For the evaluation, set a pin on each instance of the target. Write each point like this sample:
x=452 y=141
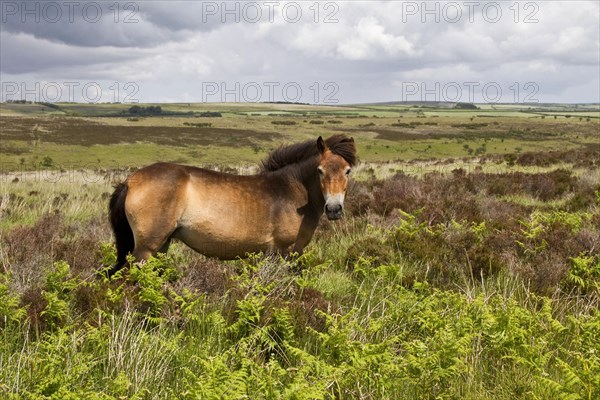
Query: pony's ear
x=321 y=145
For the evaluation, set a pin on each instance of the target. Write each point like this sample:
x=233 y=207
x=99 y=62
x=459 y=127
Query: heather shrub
x=447 y=285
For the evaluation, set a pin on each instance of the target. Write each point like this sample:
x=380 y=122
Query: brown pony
x=227 y=216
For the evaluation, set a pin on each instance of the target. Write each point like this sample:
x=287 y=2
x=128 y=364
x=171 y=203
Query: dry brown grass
x=88 y=132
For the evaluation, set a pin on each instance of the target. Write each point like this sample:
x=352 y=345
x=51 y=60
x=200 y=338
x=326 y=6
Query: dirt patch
x=83 y=132
x=429 y=132
x=588 y=157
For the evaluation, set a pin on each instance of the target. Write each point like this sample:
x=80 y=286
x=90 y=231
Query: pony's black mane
x=339 y=144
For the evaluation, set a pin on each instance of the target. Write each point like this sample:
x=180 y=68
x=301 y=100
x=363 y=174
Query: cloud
x=25 y=53
x=101 y=23
x=368 y=48
x=370 y=40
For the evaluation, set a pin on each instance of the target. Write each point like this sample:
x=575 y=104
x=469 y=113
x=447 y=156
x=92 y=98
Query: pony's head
x=337 y=158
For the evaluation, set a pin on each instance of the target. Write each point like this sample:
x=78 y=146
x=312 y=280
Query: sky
x=325 y=52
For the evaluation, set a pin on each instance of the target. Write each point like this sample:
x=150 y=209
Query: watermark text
x=455 y=92
x=85 y=92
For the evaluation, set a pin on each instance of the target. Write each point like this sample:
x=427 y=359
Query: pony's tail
x=120 y=226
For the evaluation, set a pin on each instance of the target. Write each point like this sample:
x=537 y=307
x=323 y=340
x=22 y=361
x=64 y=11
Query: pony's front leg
x=296 y=251
x=293 y=255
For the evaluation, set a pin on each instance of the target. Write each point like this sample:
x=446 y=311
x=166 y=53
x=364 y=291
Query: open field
x=467 y=265
x=245 y=134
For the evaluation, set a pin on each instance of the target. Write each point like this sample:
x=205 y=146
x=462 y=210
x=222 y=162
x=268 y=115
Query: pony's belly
x=217 y=224
x=226 y=247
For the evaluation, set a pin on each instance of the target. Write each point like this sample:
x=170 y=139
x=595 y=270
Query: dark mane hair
x=339 y=144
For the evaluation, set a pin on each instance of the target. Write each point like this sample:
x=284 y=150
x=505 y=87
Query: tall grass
x=434 y=287
x=80 y=195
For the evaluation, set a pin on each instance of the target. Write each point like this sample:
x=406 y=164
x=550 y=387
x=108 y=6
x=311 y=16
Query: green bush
x=432 y=288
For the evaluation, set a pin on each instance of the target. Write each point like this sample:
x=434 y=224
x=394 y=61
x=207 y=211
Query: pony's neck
x=310 y=180
x=306 y=175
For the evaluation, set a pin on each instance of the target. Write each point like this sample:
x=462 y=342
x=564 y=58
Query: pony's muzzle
x=334 y=211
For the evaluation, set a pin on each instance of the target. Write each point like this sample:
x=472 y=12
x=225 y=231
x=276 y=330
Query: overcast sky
x=317 y=52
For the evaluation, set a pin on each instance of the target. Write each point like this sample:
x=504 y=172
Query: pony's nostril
x=336 y=208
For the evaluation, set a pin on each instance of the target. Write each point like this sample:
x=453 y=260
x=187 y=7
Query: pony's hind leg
x=153 y=222
x=145 y=247
x=165 y=247
x=153 y=207
x=151 y=239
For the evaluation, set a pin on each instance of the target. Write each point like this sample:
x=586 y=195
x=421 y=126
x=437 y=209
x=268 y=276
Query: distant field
x=35 y=135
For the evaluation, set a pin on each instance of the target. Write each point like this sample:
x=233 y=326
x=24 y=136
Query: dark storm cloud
x=129 y=23
x=97 y=23
x=22 y=53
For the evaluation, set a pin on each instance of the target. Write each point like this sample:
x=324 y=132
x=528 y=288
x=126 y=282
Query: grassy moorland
x=467 y=265
x=100 y=136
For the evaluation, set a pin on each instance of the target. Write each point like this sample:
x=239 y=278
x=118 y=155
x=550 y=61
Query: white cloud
x=369 y=40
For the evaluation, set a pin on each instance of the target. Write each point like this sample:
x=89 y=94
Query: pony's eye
x=348 y=171
x=321 y=171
